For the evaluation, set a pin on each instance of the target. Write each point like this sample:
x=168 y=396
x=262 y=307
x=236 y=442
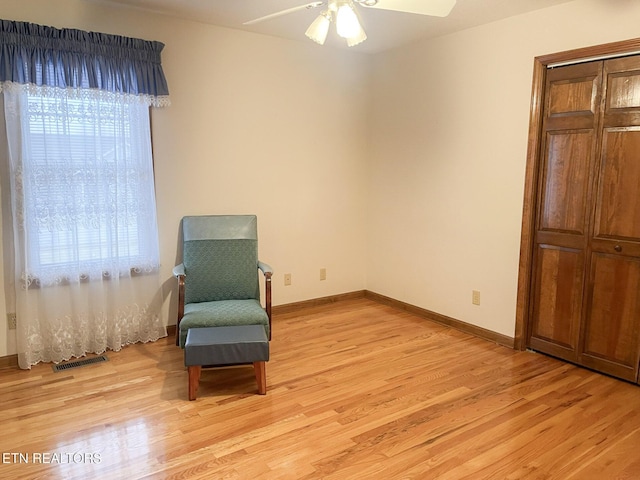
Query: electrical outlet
x=323 y=274
x=287 y=279
x=12 y=321
x=475 y=297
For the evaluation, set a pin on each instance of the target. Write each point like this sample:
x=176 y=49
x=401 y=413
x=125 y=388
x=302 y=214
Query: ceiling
x=385 y=29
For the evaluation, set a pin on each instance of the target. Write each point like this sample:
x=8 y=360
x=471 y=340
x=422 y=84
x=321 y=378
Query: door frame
x=527 y=236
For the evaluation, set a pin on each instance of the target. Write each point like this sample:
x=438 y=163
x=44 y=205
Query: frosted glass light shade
x=347 y=23
x=360 y=37
x=319 y=29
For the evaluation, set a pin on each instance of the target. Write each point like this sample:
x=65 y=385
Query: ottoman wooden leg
x=194 y=380
x=261 y=376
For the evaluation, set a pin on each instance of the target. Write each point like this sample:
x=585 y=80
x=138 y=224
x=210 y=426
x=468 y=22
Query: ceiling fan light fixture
x=345 y=14
x=319 y=29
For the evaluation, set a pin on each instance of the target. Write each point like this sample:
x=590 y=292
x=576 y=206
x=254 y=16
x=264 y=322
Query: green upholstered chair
x=218 y=279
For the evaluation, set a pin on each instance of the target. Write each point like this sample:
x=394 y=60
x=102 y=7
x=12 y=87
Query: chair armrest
x=264 y=268
x=178 y=270
x=179 y=273
x=268 y=272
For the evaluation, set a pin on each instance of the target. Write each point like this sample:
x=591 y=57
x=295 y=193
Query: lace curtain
x=79 y=163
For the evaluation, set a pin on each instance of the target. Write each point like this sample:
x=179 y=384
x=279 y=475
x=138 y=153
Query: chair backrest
x=220 y=257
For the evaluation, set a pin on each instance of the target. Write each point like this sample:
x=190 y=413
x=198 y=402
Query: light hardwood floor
x=356 y=390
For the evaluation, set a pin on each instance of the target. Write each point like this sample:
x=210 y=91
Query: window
x=87 y=181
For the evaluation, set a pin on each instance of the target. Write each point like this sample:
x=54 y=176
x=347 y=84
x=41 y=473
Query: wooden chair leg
x=194 y=380
x=260 y=369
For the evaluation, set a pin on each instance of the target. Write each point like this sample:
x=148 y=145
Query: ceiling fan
x=345 y=15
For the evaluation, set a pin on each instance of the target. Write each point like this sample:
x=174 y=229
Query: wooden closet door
x=611 y=331
x=565 y=184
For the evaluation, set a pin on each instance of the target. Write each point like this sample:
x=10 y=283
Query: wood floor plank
x=355 y=390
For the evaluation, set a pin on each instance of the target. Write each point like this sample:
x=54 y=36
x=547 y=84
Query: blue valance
x=47 y=56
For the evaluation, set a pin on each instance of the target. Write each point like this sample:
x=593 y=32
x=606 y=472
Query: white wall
x=257 y=125
x=448 y=153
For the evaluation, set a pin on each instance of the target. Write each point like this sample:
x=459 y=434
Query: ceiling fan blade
x=435 y=8
x=308 y=6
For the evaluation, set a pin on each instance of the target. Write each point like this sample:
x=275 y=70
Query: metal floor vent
x=79 y=363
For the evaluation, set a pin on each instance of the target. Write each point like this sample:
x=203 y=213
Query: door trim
x=525 y=267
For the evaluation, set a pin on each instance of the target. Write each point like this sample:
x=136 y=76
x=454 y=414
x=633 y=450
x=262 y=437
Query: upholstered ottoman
x=217 y=346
